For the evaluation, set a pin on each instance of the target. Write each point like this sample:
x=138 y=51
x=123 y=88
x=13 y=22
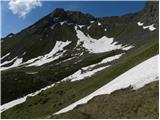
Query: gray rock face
x=149 y=15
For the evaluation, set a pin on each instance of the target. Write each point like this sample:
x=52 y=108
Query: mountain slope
x=66 y=93
x=78 y=57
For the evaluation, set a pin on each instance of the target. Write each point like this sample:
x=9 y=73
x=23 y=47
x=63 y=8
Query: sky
x=19 y=14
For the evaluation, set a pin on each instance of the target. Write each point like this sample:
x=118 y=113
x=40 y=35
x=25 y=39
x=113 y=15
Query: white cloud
x=23 y=7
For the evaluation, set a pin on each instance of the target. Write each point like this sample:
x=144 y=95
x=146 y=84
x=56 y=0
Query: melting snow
x=127 y=47
x=87 y=71
x=59 y=46
x=81 y=75
x=5 y=56
x=61 y=23
x=109 y=59
x=15 y=64
x=106 y=60
x=81 y=26
x=40 y=60
x=21 y=100
x=140 y=24
x=89 y=27
x=52 y=27
x=103 y=44
x=99 y=24
x=150 y=27
x=91 y=21
x=137 y=77
x=32 y=60
x=31 y=73
x=7 y=62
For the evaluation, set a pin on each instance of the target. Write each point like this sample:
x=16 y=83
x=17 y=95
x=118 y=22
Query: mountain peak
x=59 y=14
x=59 y=10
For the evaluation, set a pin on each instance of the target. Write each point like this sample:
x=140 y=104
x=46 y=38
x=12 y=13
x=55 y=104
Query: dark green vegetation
x=21 y=83
x=17 y=82
x=121 y=104
x=66 y=93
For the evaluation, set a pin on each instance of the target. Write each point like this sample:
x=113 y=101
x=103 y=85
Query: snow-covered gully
x=136 y=77
x=103 y=44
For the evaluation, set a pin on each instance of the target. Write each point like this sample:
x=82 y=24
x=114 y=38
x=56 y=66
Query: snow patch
x=109 y=59
x=140 y=24
x=31 y=73
x=59 y=46
x=91 y=22
x=150 y=27
x=7 y=62
x=89 y=27
x=62 y=23
x=103 y=44
x=106 y=60
x=99 y=24
x=137 y=77
x=5 y=56
x=89 y=71
x=52 y=27
x=80 y=74
x=81 y=26
x=21 y=100
x=32 y=60
x=55 y=53
x=15 y=64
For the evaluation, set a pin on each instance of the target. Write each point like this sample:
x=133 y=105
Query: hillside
x=68 y=55
x=121 y=104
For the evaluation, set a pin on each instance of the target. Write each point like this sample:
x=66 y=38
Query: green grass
x=60 y=96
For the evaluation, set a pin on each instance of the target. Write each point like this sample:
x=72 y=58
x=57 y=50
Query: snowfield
x=150 y=27
x=136 y=77
x=104 y=44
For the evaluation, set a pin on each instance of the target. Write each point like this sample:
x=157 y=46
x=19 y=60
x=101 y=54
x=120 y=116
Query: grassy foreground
x=121 y=104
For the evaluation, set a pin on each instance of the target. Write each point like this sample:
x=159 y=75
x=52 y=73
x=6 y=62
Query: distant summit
x=59 y=14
